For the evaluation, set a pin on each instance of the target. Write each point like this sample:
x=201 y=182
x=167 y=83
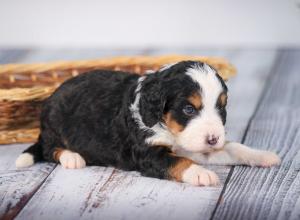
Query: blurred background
x=145 y=24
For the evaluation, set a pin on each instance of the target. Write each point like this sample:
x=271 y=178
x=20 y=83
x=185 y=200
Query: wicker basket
x=23 y=87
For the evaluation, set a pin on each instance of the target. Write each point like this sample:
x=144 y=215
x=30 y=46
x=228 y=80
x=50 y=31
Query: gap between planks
x=275 y=194
x=263 y=94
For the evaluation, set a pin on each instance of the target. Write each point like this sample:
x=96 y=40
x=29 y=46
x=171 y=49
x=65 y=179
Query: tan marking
x=176 y=171
x=160 y=144
x=222 y=99
x=57 y=153
x=172 y=124
x=196 y=100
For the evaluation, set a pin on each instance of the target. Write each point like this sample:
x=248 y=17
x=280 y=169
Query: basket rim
x=226 y=70
x=150 y=60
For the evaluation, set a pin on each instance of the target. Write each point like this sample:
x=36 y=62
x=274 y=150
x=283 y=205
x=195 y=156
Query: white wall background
x=139 y=23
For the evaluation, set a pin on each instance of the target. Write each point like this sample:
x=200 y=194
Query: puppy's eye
x=189 y=110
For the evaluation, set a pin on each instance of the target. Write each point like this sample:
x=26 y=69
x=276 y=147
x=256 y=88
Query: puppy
x=162 y=124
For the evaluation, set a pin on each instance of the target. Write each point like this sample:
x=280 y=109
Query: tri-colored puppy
x=162 y=124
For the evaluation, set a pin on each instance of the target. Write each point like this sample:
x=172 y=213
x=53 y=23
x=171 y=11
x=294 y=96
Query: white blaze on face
x=208 y=122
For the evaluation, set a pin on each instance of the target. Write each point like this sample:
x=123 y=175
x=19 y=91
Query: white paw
x=252 y=157
x=199 y=176
x=267 y=159
x=71 y=160
x=24 y=160
x=261 y=158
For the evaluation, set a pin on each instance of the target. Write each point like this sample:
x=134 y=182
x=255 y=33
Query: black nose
x=212 y=140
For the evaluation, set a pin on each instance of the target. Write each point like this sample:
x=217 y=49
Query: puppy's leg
x=68 y=159
x=241 y=154
x=237 y=154
x=160 y=162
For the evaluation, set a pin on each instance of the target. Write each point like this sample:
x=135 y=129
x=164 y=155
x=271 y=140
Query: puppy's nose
x=212 y=140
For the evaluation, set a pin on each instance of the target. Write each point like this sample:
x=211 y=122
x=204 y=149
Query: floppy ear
x=152 y=101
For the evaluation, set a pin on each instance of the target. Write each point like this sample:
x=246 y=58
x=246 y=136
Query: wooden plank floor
x=271 y=193
x=263 y=111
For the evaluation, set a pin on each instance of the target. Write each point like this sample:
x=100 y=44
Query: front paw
x=261 y=158
x=268 y=159
x=199 y=176
x=251 y=157
x=71 y=160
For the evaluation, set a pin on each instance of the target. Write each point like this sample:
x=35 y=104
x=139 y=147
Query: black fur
x=90 y=114
x=221 y=108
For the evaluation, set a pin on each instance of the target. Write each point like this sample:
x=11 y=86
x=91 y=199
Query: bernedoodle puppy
x=163 y=124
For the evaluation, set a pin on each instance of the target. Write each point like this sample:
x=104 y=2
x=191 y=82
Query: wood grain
x=256 y=193
x=96 y=192
x=18 y=185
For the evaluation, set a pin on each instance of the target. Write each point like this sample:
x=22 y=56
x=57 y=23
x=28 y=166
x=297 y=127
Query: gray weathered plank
x=255 y=193
x=18 y=185
x=127 y=195
x=10 y=55
x=98 y=192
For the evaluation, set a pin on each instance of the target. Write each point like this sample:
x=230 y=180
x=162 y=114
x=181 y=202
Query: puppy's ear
x=152 y=101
